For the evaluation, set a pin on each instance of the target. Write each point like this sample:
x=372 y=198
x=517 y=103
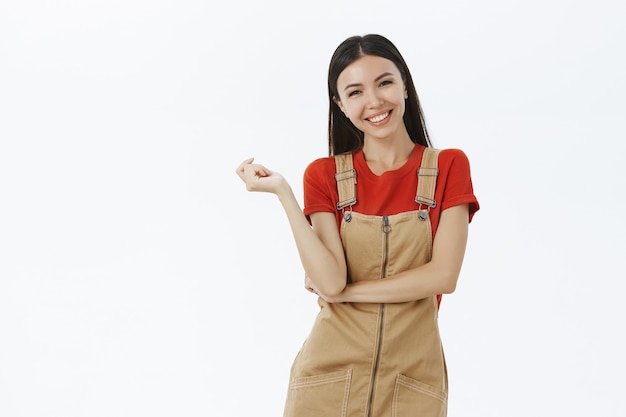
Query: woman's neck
x=387 y=156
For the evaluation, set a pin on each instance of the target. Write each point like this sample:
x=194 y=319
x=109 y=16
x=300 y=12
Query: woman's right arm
x=318 y=243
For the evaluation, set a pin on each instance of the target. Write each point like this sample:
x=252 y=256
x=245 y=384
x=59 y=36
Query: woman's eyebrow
x=376 y=79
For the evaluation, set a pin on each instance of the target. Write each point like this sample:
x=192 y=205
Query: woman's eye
x=386 y=82
x=354 y=93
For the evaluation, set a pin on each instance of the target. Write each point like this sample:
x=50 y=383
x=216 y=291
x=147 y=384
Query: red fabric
x=394 y=191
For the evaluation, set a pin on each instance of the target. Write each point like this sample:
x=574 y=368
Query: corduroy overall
x=375 y=360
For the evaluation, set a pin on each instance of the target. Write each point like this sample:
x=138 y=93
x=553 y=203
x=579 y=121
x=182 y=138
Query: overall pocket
x=412 y=398
x=319 y=395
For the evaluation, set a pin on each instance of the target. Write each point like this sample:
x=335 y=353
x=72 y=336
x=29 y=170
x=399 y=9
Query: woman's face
x=371 y=95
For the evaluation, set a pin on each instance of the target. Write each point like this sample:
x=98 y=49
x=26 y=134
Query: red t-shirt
x=394 y=191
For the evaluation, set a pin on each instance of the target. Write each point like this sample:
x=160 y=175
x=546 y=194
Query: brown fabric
x=367 y=359
x=346 y=180
x=427 y=181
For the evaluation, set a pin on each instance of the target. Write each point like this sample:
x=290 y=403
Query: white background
x=139 y=278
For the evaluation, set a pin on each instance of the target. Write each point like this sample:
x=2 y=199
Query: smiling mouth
x=379 y=118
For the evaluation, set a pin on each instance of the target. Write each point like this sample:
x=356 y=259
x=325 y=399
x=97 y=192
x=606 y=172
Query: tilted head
x=343 y=136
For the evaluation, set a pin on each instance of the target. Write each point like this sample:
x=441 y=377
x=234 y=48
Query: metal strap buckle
x=347 y=216
x=425 y=201
x=428 y=172
x=341 y=176
x=423 y=213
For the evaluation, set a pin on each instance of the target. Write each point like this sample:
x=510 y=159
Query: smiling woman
x=380 y=262
x=372 y=95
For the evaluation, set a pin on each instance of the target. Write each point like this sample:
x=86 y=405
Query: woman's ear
x=338 y=103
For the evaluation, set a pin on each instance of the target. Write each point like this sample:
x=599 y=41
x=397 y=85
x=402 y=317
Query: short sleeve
x=320 y=190
x=458 y=188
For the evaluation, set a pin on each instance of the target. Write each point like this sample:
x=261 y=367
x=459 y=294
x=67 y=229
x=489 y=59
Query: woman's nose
x=374 y=99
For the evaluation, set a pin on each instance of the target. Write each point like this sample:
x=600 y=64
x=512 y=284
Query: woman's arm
x=439 y=276
x=319 y=247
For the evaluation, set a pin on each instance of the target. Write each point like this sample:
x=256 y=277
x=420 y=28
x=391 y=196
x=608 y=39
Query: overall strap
x=427 y=179
x=346 y=180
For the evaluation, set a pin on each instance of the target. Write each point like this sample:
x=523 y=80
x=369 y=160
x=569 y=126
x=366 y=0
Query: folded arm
x=438 y=276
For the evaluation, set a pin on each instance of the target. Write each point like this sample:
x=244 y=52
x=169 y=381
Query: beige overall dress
x=375 y=360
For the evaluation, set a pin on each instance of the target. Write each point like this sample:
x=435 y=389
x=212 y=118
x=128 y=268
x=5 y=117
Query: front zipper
x=386 y=228
x=386 y=231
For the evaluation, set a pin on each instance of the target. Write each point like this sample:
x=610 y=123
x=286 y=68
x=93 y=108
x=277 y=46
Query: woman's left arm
x=439 y=276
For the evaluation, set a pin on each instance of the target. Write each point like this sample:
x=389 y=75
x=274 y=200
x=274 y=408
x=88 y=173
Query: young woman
x=381 y=237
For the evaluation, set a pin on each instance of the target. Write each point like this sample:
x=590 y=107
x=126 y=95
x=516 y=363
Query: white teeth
x=379 y=118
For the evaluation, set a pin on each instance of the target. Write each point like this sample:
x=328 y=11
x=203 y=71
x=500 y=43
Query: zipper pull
x=386 y=225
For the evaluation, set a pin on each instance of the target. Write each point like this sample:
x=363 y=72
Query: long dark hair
x=343 y=136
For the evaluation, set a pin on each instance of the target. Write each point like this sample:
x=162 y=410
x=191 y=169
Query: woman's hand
x=258 y=178
x=310 y=287
x=318 y=242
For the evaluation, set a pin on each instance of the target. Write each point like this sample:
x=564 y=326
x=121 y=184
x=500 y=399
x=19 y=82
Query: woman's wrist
x=284 y=192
